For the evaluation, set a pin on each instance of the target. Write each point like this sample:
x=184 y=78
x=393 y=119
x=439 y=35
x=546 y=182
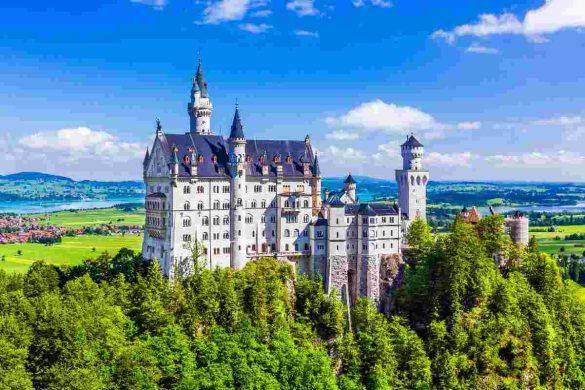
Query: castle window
x=365 y=233
x=286 y=233
x=277 y=159
x=286 y=204
x=200 y=158
x=216 y=189
x=296 y=232
x=254 y=204
x=239 y=233
x=425 y=180
x=226 y=189
x=186 y=190
x=383 y=246
x=226 y=220
x=391 y=219
x=249 y=219
x=418 y=180
x=300 y=188
x=226 y=205
x=253 y=247
x=186 y=206
x=205 y=236
x=296 y=247
x=216 y=236
x=412 y=180
x=372 y=220
x=200 y=189
x=273 y=246
x=205 y=221
x=263 y=204
x=257 y=188
x=263 y=218
x=286 y=188
x=272 y=188
x=306 y=203
x=264 y=247
x=306 y=247
x=200 y=206
x=383 y=233
x=383 y=219
x=239 y=202
x=272 y=218
x=337 y=234
x=216 y=221
x=187 y=222
x=214 y=159
x=306 y=218
x=320 y=234
x=288 y=159
x=186 y=237
x=226 y=235
x=216 y=205
x=248 y=159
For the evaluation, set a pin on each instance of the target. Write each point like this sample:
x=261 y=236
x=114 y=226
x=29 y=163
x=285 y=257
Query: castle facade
x=242 y=199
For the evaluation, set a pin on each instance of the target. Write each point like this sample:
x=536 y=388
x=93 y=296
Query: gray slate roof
x=214 y=145
x=412 y=142
x=370 y=209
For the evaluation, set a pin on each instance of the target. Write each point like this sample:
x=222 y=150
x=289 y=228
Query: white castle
x=244 y=199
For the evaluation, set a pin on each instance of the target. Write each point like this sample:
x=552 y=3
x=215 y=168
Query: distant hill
x=35 y=176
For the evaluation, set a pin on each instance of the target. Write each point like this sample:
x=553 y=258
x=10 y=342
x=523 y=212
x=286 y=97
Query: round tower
x=200 y=108
x=412 y=152
x=412 y=180
x=237 y=165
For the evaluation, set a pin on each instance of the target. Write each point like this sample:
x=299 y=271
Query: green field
x=96 y=217
x=547 y=243
x=578 y=290
x=69 y=252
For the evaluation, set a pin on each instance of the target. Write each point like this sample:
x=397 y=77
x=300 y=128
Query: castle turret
x=350 y=186
x=146 y=161
x=200 y=108
x=412 y=180
x=237 y=165
x=316 y=188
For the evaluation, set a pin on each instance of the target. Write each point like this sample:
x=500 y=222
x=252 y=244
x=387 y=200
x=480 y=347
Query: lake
x=39 y=206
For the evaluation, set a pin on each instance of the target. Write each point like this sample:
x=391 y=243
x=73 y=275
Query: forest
x=473 y=312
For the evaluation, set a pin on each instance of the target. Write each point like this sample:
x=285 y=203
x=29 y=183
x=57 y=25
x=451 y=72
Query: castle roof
x=237 y=130
x=349 y=180
x=412 y=142
x=213 y=145
x=371 y=209
x=201 y=84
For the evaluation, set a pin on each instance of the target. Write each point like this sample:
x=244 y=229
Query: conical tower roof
x=237 y=130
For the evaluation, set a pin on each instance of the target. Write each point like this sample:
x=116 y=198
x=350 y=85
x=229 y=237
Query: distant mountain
x=35 y=176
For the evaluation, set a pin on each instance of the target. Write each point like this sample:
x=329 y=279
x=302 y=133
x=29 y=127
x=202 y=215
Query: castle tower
x=349 y=186
x=237 y=164
x=200 y=108
x=412 y=180
x=316 y=187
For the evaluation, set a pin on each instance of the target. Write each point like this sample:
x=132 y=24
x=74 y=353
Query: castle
x=243 y=199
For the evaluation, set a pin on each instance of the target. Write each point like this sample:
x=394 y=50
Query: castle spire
x=237 y=130
x=200 y=108
x=146 y=158
x=200 y=80
x=316 y=168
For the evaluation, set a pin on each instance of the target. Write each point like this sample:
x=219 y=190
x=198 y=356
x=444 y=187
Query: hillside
x=46 y=187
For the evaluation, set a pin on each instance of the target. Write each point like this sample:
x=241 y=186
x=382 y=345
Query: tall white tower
x=412 y=180
x=237 y=164
x=200 y=107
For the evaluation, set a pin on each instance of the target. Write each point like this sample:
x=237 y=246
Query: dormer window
x=214 y=159
x=200 y=158
x=248 y=159
x=187 y=160
x=261 y=159
x=288 y=160
x=277 y=159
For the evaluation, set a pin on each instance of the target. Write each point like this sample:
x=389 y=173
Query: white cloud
x=255 y=28
x=376 y=3
x=562 y=158
x=336 y=155
x=476 y=125
x=449 y=159
x=303 y=7
x=82 y=142
x=389 y=117
x=341 y=135
x=305 y=33
x=561 y=121
x=229 y=10
x=479 y=49
x=552 y=16
x=263 y=13
x=156 y=4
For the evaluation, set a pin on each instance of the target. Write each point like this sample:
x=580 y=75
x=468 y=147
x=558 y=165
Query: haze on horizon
x=494 y=90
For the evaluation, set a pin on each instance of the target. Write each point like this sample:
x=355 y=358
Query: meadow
x=69 y=252
x=547 y=243
x=94 y=217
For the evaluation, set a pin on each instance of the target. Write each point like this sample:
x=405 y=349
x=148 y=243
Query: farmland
x=18 y=257
x=548 y=241
x=95 y=217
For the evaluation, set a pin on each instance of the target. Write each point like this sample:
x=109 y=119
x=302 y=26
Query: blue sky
x=493 y=89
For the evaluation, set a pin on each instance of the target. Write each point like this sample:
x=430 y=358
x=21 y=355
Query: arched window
x=239 y=202
x=187 y=206
x=186 y=190
x=306 y=203
x=418 y=180
x=226 y=235
x=226 y=205
x=226 y=220
x=425 y=180
x=205 y=221
x=412 y=180
x=200 y=189
x=286 y=247
x=286 y=233
x=216 y=220
x=187 y=222
x=216 y=205
x=205 y=236
x=253 y=234
x=306 y=218
x=263 y=204
x=286 y=203
x=254 y=204
x=296 y=232
x=249 y=218
x=200 y=206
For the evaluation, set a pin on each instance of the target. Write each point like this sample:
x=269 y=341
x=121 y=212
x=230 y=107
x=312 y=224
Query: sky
x=494 y=90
